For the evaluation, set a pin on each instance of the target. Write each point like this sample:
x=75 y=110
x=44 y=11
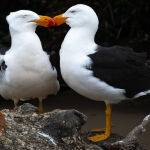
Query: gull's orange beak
x=45 y=21
x=59 y=20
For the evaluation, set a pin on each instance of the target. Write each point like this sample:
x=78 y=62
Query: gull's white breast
x=29 y=73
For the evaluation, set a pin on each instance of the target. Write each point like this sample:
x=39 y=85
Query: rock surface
x=24 y=129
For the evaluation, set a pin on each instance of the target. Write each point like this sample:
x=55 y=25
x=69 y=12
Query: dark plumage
x=121 y=68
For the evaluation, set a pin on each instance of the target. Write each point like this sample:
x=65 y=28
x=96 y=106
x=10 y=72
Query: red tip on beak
x=45 y=21
x=51 y=22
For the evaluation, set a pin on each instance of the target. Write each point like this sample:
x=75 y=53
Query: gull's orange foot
x=98 y=137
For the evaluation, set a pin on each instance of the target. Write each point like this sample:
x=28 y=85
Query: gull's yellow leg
x=106 y=134
x=16 y=103
x=41 y=110
x=98 y=130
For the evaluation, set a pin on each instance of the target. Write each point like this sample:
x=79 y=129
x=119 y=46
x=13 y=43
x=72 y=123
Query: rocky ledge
x=24 y=129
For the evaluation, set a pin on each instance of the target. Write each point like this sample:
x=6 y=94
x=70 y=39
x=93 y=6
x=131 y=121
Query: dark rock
x=93 y=147
x=27 y=108
x=64 y=123
x=25 y=129
x=57 y=130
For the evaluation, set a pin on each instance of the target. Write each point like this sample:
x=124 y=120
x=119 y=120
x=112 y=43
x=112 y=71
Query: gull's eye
x=24 y=16
x=72 y=11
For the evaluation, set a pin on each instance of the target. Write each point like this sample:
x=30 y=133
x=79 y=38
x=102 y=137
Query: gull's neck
x=78 y=40
x=24 y=38
x=14 y=32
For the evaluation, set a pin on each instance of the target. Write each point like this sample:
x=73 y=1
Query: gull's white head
x=79 y=15
x=22 y=20
x=25 y=20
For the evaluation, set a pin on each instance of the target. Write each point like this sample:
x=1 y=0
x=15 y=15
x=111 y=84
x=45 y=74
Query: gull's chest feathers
x=27 y=64
x=26 y=54
x=24 y=60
